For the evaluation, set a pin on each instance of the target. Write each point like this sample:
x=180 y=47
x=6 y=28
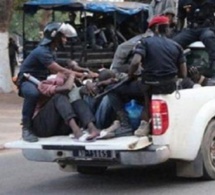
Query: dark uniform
x=161 y=58
x=37 y=65
x=38 y=61
x=200 y=23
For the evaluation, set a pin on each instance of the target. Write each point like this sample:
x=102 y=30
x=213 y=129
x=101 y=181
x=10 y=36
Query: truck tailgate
x=65 y=142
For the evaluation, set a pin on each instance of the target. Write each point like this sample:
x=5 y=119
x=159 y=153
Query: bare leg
x=94 y=132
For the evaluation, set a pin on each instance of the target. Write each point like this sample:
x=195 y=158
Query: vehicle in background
x=79 y=50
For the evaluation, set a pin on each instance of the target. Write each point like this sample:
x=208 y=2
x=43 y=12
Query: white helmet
x=52 y=29
x=68 y=30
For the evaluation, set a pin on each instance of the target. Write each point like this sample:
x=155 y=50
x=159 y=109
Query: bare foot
x=78 y=134
x=93 y=135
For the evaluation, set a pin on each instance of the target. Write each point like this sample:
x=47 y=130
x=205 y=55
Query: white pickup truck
x=183 y=131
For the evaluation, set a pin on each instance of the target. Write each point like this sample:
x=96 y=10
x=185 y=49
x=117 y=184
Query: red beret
x=158 y=20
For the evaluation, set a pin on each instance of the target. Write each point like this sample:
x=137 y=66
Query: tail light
x=160 y=117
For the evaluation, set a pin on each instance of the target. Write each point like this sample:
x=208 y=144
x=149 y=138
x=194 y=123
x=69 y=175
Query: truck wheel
x=208 y=152
x=91 y=170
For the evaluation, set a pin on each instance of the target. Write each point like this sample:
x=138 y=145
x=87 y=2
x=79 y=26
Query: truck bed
x=129 y=150
x=120 y=143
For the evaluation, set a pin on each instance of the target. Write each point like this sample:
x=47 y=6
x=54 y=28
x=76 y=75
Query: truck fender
x=196 y=132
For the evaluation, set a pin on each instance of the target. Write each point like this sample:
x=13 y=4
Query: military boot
x=143 y=129
x=27 y=134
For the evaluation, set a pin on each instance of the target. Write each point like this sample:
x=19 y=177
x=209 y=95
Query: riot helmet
x=54 y=28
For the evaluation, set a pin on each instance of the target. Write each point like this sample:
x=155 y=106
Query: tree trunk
x=6 y=84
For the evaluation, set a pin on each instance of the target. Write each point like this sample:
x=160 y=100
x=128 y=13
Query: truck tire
x=91 y=170
x=208 y=152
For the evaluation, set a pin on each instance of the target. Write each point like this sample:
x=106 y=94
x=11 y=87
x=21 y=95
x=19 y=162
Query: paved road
x=22 y=177
x=10 y=117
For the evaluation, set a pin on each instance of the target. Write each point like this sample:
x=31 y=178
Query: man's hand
x=194 y=74
x=92 y=75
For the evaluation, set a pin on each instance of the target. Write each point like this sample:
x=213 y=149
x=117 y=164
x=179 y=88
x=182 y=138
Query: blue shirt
x=38 y=61
x=161 y=57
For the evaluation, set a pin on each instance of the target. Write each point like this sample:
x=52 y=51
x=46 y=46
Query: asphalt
x=10 y=117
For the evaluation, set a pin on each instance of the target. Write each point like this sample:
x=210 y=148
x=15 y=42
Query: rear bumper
x=151 y=155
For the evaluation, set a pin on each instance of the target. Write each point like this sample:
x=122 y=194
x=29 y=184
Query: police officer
x=39 y=63
x=162 y=60
x=200 y=20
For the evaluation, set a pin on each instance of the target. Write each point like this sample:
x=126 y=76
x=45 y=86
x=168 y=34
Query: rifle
x=124 y=80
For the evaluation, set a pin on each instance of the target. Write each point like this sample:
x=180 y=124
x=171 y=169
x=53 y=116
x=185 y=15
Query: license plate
x=93 y=154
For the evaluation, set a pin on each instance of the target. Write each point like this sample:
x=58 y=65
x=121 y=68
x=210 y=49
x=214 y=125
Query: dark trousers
x=206 y=35
x=141 y=92
x=54 y=117
x=13 y=64
x=131 y=90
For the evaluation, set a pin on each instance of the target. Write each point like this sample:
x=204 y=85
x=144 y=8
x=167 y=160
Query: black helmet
x=51 y=30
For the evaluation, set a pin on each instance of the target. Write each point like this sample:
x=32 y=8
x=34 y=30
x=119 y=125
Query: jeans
x=104 y=113
x=31 y=94
x=102 y=110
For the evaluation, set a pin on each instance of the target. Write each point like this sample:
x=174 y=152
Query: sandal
x=84 y=138
x=106 y=135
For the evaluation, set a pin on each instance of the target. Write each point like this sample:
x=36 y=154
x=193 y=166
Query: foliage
x=32 y=23
x=16 y=23
x=5 y=14
x=16 y=20
x=19 y=3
